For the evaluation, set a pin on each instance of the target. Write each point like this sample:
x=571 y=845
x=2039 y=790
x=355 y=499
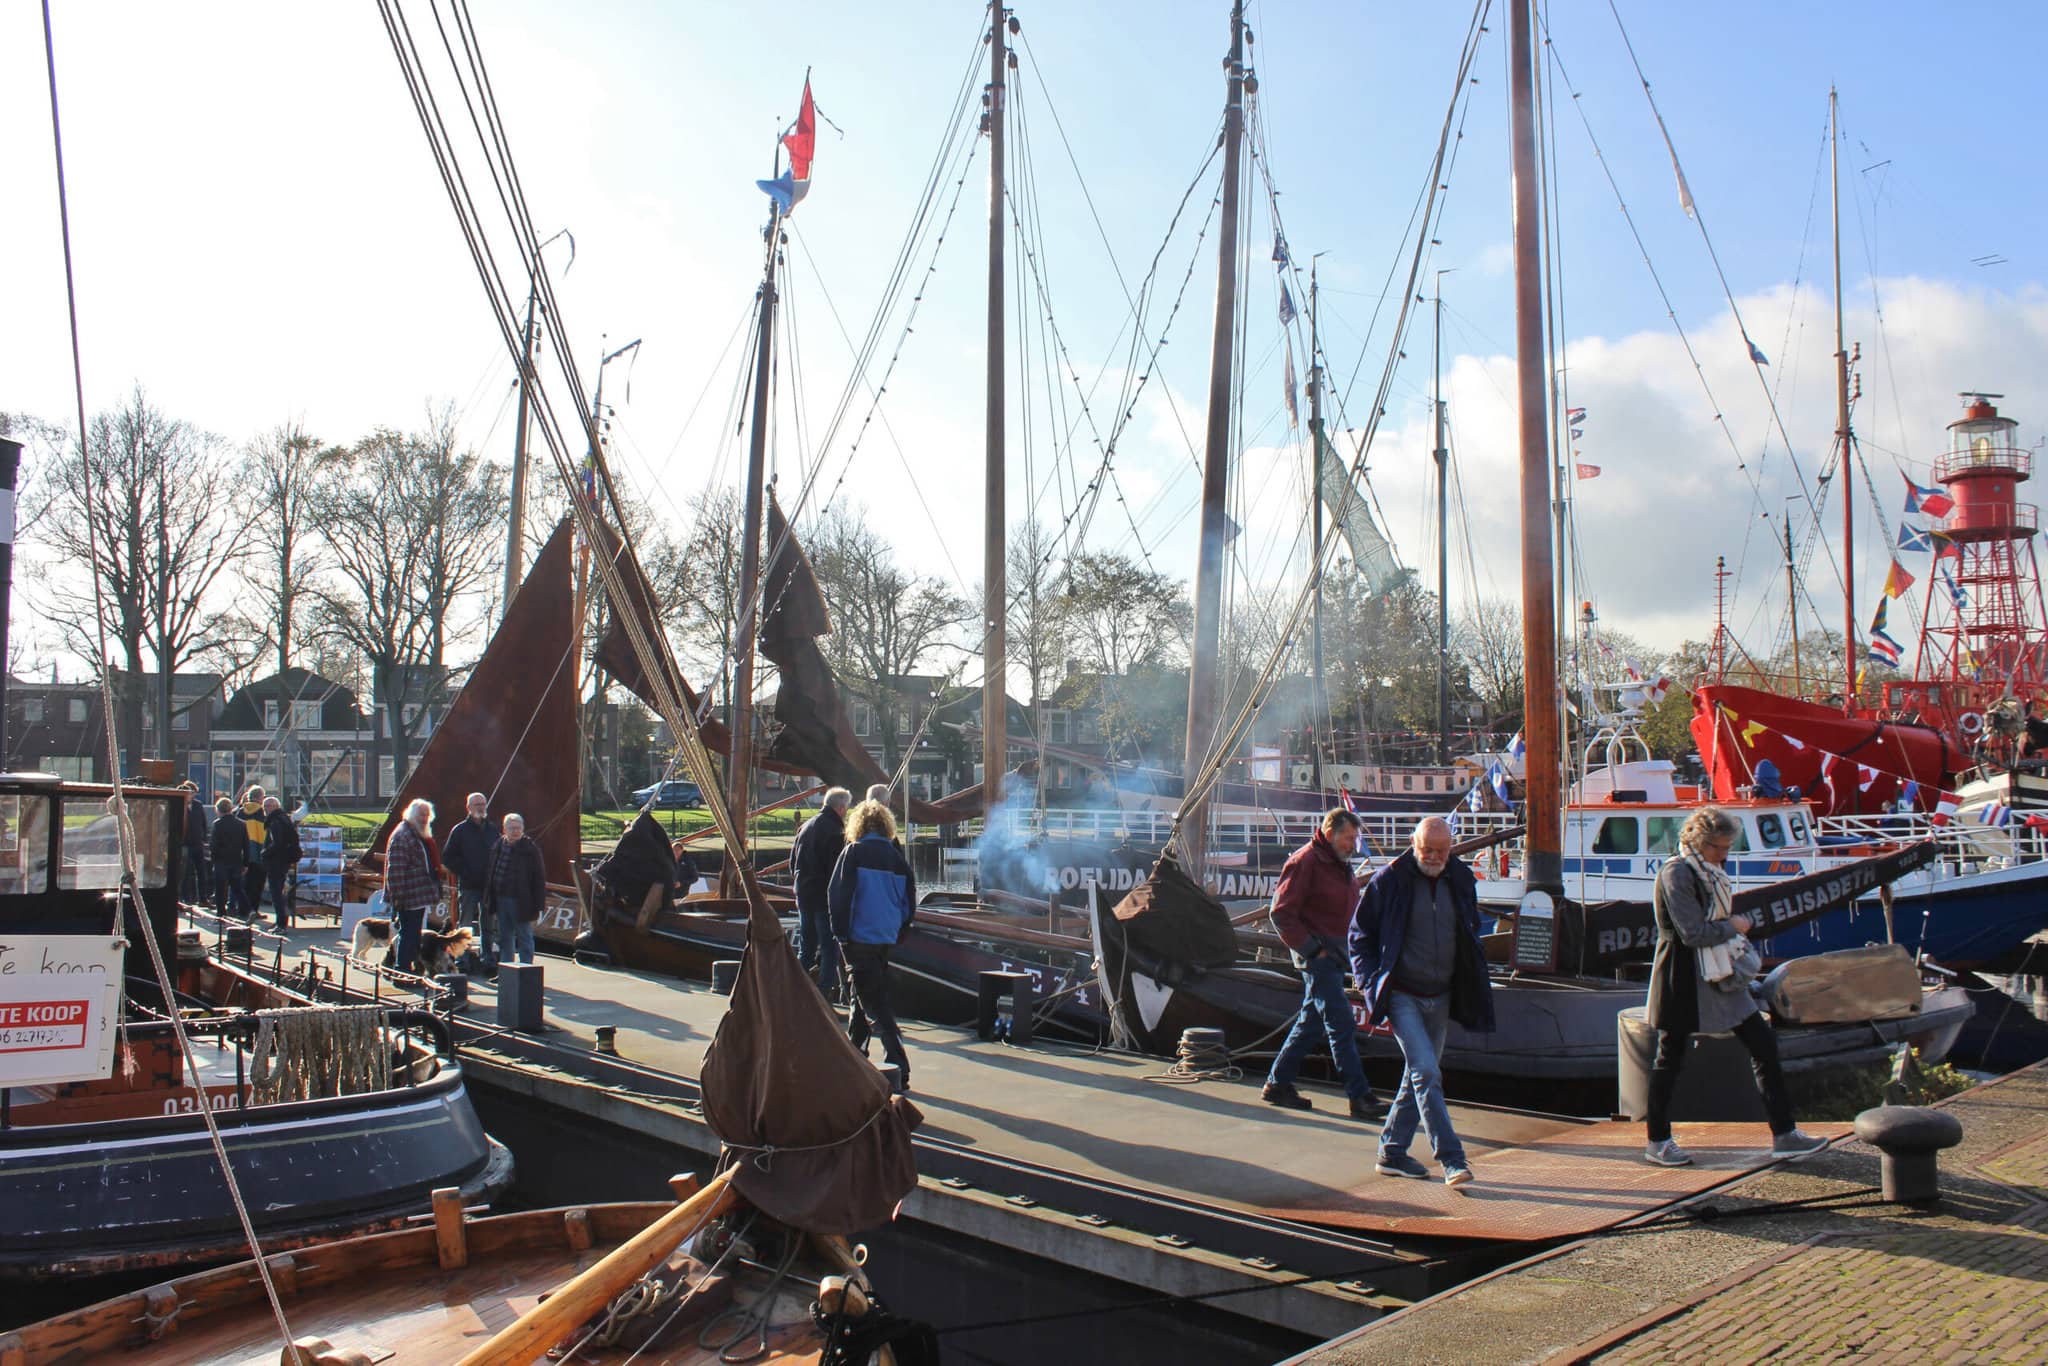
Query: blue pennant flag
x=1280 y=256
x=1756 y=353
x=1286 y=305
x=1498 y=776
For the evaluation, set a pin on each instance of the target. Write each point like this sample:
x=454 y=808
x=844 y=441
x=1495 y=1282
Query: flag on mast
x=1287 y=378
x=1925 y=501
x=1897 y=580
x=800 y=141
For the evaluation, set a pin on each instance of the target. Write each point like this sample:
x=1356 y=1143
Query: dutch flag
x=1997 y=813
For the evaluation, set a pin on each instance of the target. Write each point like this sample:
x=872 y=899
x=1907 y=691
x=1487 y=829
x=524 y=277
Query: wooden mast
x=995 y=696
x=515 y=538
x=1842 y=430
x=1202 y=672
x=739 y=764
x=1540 y=728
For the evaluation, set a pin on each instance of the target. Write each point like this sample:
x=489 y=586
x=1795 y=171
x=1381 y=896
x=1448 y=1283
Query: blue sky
x=260 y=236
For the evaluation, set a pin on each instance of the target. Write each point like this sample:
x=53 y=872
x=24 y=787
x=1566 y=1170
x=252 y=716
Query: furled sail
x=1370 y=551
x=616 y=654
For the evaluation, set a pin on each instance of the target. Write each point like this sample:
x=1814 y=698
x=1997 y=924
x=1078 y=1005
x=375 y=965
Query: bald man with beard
x=1415 y=951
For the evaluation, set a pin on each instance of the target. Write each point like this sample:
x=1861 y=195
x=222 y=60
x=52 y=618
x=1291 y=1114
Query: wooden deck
x=1118 y=1118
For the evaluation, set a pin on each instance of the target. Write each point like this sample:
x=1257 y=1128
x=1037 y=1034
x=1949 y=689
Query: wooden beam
x=533 y=1334
x=451 y=1240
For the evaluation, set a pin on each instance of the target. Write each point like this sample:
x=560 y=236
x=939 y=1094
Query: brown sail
x=511 y=732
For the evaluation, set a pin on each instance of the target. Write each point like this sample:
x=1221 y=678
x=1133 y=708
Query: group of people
x=500 y=877
x=1409 y=936
x=855 y=896
x=231 y=858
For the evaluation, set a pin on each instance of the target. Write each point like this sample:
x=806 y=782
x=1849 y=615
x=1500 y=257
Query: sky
x=260 y=236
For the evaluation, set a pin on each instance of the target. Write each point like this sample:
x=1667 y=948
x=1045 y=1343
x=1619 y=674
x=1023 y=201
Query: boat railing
x=1384 y=831
x=1962 y=840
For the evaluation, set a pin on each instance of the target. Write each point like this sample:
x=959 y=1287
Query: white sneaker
x=1667 y=1154
x=1798 y=1143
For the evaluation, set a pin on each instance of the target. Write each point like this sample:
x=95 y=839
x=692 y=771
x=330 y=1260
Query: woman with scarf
x=1699 y=984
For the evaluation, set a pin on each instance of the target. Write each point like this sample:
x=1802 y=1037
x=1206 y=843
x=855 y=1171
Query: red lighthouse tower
x=1984 y=634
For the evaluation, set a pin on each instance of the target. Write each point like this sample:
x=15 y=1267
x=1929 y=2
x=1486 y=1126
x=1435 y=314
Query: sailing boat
x=1165 y=963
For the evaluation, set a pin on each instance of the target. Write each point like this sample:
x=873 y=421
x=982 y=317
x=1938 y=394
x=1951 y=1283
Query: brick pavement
x=1847 y=1279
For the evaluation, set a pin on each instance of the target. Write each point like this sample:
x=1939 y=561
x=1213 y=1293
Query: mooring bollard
x=608 y=1039
x=1909 y=1136
x=724 y=972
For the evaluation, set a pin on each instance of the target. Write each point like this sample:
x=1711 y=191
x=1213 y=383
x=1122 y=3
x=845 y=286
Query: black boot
x=1284 y=1096
x=1368 y=1108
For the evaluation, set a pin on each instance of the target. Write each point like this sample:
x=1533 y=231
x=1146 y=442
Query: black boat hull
x=139 y=1193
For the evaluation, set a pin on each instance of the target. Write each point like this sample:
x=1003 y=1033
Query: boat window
x=1664 y=834
x=1797 y=823
x=24 y=844
x=90 y=845
x=1618 y=835
x=1771 y=830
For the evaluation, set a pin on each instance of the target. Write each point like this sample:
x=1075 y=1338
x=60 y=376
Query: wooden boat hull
x=935 y=974
x=423 y=1296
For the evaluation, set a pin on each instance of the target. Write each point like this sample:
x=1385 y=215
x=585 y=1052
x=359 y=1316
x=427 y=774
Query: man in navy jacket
x=1415 y=951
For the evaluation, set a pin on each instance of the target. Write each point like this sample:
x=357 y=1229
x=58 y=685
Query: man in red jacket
x=1312 y=909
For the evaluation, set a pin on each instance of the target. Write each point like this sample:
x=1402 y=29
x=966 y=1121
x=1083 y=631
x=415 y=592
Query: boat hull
x=143 y=1193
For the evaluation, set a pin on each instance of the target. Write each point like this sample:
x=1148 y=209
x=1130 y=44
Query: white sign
x=60 y=1003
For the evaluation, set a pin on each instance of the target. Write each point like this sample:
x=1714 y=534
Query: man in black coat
x=228 y=843
x=468 y=852
x=1416 y=954
x=280 y=857
x=818 y=846
x=195 y=884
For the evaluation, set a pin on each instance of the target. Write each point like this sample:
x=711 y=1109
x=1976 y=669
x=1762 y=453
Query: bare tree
x=407 y=524
x=1489 y=639
x=696 y=580
x=885 y=620
x=1131 y=627
x=141 y=504
x=1038 y=629
x=282 y=466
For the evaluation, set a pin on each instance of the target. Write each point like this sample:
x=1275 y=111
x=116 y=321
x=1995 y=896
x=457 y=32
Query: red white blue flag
x=789 y=188
x=1930 y=502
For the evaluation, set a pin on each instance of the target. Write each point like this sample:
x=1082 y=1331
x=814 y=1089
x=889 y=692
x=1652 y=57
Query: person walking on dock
x=195 y=883
x=1693 y=903
x=412 y=883
x=812 y=860
x=872 y=897
x=252 y=820
x=1415 y=948
x=468 y=852
x=229 y=845
x=517 y=890
x=1312 y=910
x=280 y=857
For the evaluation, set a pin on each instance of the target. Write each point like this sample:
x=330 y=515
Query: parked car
x=675 y=793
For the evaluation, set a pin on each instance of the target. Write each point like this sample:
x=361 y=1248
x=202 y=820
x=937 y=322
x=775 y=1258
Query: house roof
x=339 y=707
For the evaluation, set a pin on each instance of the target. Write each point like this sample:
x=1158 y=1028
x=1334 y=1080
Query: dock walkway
x=1817 y=1270
x=1119 y=1118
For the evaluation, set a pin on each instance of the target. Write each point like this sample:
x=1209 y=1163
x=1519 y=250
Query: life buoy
x=1503 y=863
x=1971 y=723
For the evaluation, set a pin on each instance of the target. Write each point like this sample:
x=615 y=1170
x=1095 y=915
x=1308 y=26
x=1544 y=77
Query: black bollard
x=1909 y=1136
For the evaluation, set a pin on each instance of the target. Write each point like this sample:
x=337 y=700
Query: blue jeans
x=515 y=938
x=1325 y=1013
x=815 y=946
x=1420 y=1024
x=410 y=923
x=470 y=909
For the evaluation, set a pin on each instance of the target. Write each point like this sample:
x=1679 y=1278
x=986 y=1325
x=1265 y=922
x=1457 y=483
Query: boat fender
x=1971 y=723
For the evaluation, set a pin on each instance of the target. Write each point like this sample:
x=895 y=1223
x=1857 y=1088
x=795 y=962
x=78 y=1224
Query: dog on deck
x=373 y=936
x=441 y=950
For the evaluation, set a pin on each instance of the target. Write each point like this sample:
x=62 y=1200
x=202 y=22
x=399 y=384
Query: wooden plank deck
x=1115 y=1117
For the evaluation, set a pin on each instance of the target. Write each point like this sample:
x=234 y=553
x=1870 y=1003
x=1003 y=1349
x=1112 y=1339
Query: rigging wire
x=1227 y=738
x=130 y=893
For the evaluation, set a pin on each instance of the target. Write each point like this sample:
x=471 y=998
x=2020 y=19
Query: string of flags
x=1946 y=804
x=1282 y=263
x=1575 y=423
x=1883 y=649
